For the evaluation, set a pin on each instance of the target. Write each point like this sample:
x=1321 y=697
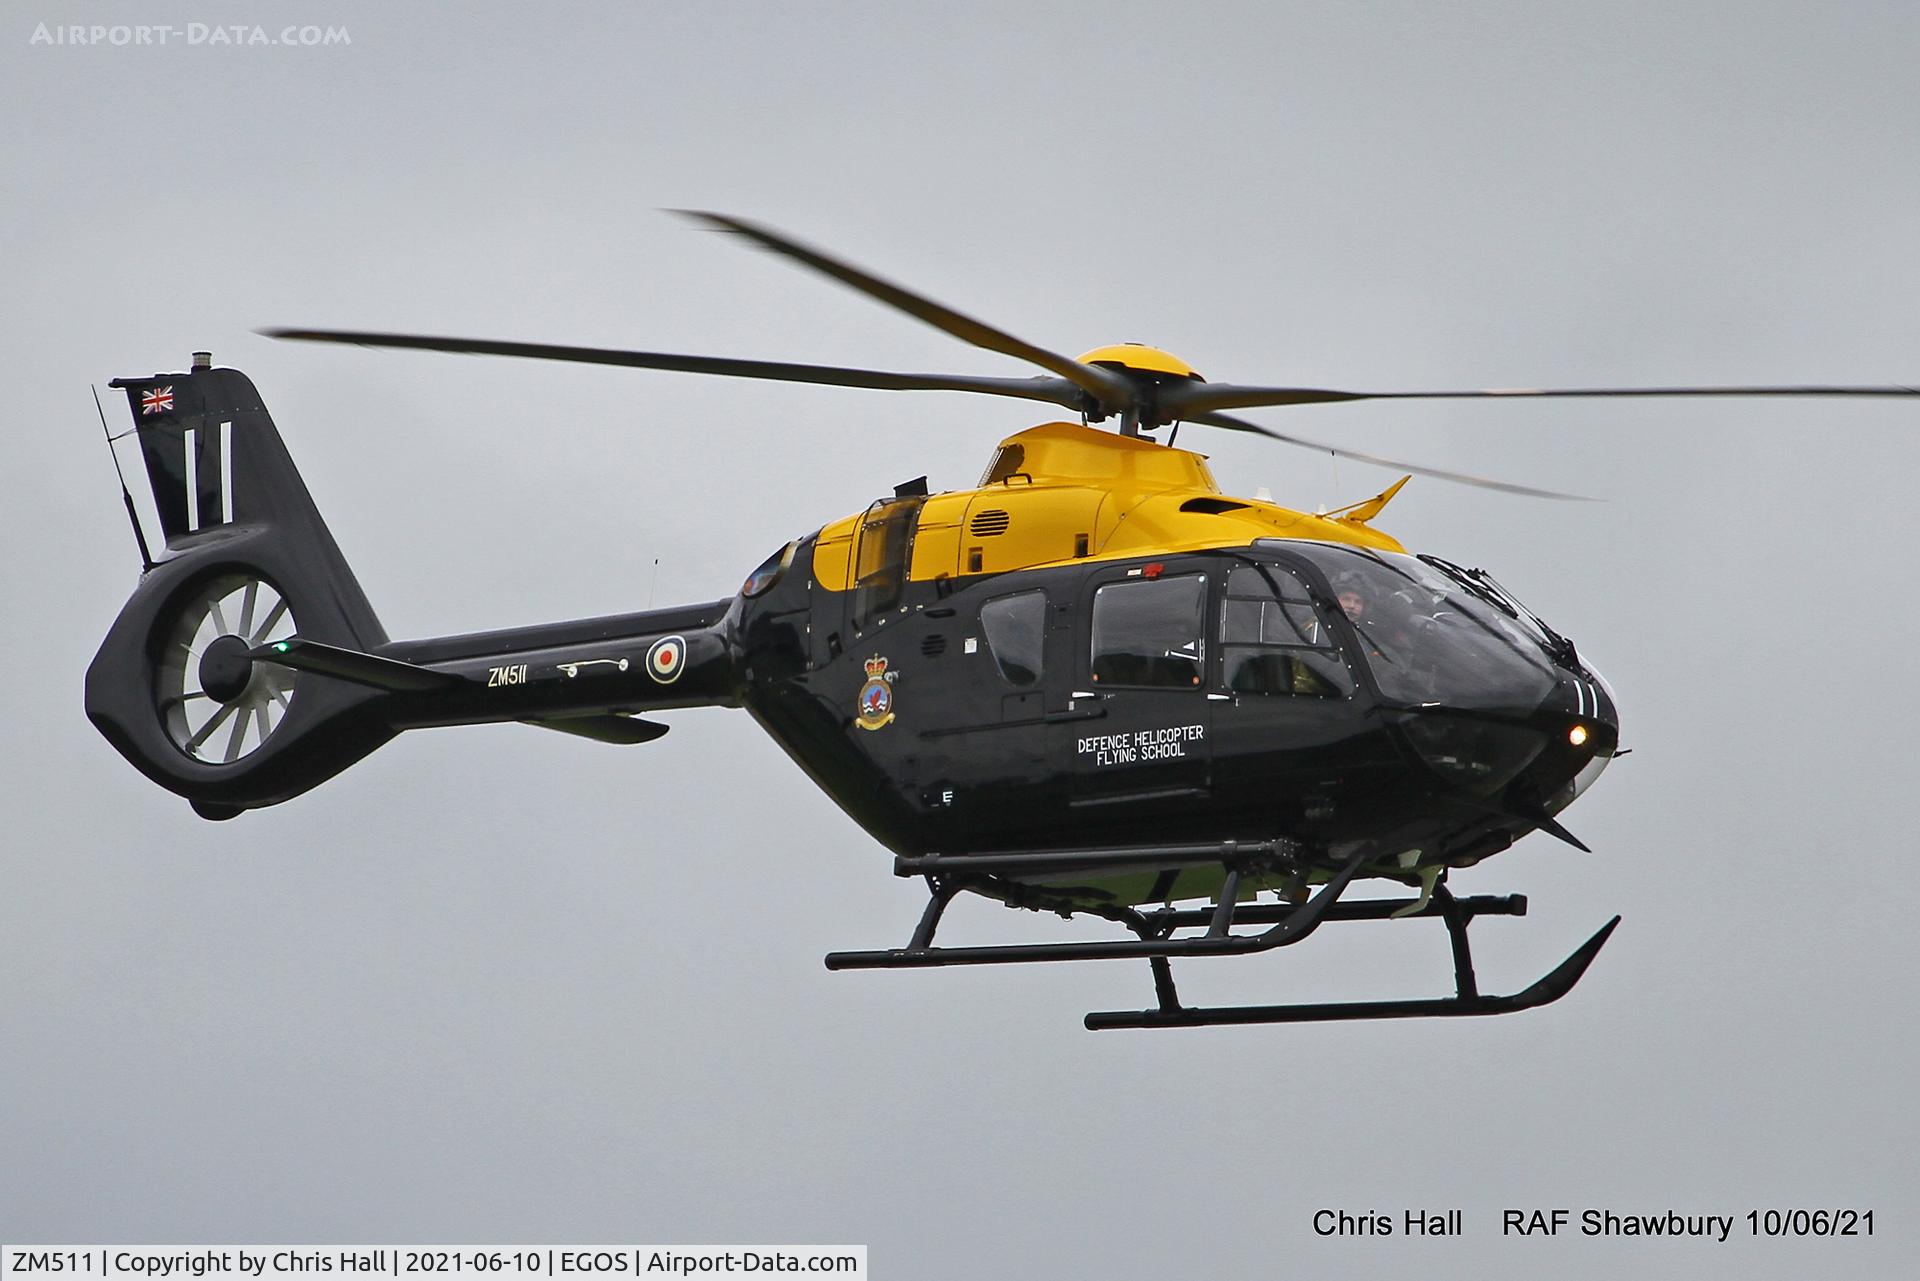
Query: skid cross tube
x=1296 y=925
x=942 y=893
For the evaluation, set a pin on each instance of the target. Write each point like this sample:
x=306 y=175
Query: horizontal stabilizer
x=354 y=665
x=610 y=727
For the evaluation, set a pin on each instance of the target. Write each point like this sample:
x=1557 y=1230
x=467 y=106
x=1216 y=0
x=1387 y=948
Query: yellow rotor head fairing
x=1142 y=359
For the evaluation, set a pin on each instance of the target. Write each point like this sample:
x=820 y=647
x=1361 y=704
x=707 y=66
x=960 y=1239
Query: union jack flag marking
x=157 y=401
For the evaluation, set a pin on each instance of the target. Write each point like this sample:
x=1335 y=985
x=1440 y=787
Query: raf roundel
x=666 y=658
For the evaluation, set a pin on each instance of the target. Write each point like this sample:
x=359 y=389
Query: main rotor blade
x=1113 y=391
x=1459 y=478
x=1056 y=391
x=1182 y=400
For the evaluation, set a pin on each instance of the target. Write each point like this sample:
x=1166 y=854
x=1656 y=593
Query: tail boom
x=248 y=666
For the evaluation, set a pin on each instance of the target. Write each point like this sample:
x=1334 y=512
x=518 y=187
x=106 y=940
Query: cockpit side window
x=1275 y=640
x=1016 y=631
x=1151 y=632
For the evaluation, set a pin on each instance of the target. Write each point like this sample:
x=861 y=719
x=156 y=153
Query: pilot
x=1382 y=622
x=1353 y=602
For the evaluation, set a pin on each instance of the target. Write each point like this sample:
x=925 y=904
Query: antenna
x=126 y=496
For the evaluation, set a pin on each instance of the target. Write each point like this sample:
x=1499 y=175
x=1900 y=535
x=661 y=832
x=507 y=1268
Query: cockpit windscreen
x=1434 y=635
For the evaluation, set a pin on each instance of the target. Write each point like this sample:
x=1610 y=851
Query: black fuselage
x=1070 y=744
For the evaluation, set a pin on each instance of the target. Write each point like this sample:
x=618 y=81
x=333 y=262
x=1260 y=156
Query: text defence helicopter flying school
x=1093 y=684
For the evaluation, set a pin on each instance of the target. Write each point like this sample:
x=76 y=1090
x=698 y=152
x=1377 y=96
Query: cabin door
x=1143 y=661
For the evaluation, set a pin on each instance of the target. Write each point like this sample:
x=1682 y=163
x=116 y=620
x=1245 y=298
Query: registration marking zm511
x=514 y=675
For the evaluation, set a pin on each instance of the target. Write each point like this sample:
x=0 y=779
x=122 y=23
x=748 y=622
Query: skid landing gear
x=1286 y=924
x=1467 y=1000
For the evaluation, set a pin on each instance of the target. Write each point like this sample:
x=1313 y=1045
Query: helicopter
x=1093 y=684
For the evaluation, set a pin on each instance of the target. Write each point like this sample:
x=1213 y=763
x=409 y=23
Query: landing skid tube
x=1468 y=1002
x=1287 y=924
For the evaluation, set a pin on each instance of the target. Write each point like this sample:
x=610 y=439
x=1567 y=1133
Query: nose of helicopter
x=1592 y=730
x=1546 y=756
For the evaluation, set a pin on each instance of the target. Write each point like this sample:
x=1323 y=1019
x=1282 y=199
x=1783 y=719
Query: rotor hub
x=1138 y=358
x=226 y=669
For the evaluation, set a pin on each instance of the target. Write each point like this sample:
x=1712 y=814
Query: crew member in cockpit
x=1353 y=601
x=1384 y=628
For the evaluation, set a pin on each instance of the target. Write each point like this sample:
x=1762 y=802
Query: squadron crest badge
x=876 y=696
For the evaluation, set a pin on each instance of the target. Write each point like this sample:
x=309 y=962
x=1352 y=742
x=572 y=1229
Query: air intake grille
x=934 y=645
x=989 y=524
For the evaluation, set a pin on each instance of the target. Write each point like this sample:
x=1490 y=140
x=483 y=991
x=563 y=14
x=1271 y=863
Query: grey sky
x=462 y=993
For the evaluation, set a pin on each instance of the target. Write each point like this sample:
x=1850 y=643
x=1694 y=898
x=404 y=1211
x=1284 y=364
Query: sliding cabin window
x=1150 y=632
x=1016 y=628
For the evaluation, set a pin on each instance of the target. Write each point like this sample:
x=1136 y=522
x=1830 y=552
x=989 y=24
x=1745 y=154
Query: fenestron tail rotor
x=219 y=705
x=1141 y=393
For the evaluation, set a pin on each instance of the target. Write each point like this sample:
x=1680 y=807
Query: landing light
x=1577 y=735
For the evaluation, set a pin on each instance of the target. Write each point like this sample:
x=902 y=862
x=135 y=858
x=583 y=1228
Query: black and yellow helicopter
x=1092 y=684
